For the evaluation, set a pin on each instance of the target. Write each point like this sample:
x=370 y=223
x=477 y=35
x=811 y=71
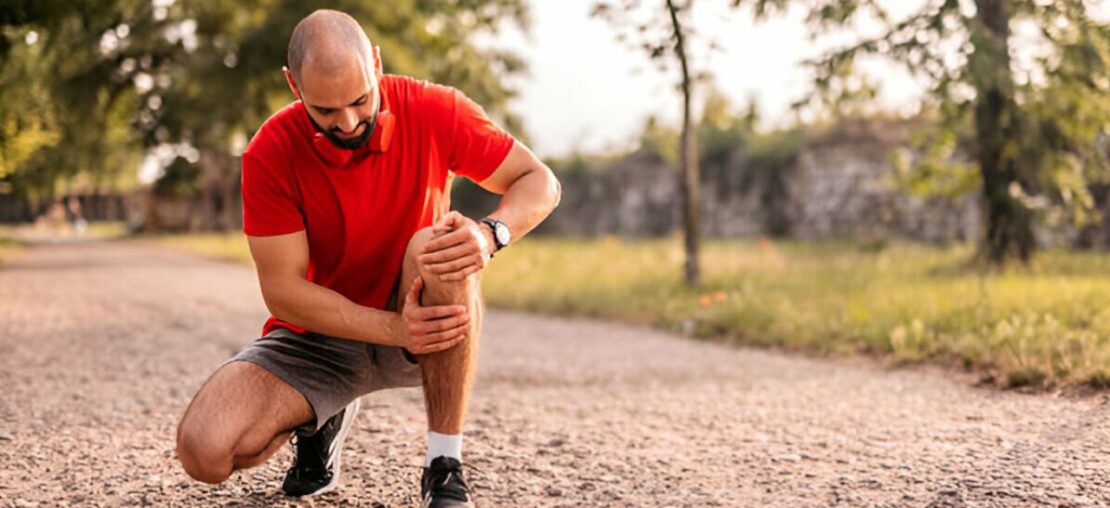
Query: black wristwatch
x=501 y=234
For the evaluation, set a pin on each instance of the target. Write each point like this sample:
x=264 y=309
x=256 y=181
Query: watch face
x=502 y=232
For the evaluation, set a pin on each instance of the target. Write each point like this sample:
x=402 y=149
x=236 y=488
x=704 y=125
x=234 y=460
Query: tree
x=662 y=32
x=46 y=49
x=109 y=80
x=1034 y=126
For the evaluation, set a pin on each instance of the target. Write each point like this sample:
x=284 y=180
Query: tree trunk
x=1009 y=222
x=689 y=174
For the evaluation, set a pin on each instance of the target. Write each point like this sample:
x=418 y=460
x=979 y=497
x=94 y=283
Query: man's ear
x=378 y=62
x=292 y=82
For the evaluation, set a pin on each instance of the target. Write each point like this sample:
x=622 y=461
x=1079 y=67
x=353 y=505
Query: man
x=371 y=283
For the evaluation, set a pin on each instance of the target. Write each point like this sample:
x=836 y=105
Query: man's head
x=334 y=71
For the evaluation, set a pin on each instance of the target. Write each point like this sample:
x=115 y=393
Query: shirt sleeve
x=270 y=204
x=475 y=146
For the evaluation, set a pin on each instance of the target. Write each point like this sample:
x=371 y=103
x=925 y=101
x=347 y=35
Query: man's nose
x=348 y=121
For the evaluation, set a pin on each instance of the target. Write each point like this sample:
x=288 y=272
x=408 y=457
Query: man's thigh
x=240 y=409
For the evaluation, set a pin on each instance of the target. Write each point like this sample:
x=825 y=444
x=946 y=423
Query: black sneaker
x=443 y=486
x=319 y=456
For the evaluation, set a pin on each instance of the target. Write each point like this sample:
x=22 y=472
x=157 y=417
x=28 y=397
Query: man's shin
x=449 y=374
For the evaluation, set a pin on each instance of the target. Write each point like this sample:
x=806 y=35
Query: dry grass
x=226 y=246
x=8 y=248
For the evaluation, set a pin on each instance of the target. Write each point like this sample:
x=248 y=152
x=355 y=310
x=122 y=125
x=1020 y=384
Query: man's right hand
x=433 y=328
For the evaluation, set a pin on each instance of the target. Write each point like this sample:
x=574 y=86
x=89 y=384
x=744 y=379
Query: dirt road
x=102 y=344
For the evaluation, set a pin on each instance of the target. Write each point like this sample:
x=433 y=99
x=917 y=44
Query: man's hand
x=434 y=328
x=459 y=248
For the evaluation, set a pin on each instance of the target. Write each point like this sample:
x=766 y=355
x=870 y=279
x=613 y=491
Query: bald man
x=372 y=283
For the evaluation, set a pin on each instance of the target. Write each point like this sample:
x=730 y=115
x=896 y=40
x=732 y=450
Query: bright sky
x=588 y=91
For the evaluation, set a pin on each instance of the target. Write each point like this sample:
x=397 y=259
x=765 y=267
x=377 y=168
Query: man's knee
x=202 y=454
x=418 y=240
x=452 y=291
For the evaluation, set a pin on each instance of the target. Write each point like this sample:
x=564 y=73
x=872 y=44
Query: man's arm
x=528 y=188
x=529 y=192
x=282 y=264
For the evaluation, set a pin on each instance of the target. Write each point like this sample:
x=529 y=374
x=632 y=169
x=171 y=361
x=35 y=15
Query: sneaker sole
x=348 y=422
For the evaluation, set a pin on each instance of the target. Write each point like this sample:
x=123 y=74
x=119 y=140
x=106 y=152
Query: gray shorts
x=330 y=372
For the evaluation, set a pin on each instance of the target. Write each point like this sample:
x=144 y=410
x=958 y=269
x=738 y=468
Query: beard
x=349 y=143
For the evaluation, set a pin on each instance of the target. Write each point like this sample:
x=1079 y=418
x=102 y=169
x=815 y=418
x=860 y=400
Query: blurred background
x=921 y=180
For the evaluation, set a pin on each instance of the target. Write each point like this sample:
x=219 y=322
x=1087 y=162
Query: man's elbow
x=274 y=295
x=554 y=190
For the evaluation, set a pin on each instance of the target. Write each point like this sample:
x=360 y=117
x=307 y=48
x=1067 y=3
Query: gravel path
x=102 y=344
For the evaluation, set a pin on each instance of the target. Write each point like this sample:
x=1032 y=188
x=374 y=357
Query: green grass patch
x=225 y=246
x=1042 y=325
x=1046 y=324
x=106 y=230
x=9 y=248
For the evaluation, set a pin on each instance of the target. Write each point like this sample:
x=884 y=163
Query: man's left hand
x=459 y=248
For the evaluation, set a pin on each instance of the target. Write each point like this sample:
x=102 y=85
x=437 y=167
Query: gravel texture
x=103 y=344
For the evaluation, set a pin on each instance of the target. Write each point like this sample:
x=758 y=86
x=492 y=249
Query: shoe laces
x=449 y=482
x=310 y=457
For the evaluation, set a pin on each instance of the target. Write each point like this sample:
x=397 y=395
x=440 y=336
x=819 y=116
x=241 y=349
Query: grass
x=1048 y=324
x=9 y=248
x=106 y=230
x=225 y=246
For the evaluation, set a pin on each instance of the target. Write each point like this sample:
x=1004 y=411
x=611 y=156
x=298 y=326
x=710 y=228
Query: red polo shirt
x=360 y=208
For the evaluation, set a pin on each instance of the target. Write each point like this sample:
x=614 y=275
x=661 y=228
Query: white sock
x=443 y=445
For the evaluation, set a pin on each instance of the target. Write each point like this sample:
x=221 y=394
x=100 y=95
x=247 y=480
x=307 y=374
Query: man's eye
x=325 y=111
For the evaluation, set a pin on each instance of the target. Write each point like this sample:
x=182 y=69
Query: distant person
x=80 y=225
x=372 y=283
x=54 y=220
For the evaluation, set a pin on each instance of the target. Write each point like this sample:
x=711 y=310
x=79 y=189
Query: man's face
x=343 y=105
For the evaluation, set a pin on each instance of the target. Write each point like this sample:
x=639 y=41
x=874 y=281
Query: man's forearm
x=322 y=310
x=528 y=201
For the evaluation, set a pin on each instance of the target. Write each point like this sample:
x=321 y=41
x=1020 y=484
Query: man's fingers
x=435 y=312
x=431 y=339
x=438 y=325
x=443 y=346
x=453 y=266
x=448 y=222
x=446 y=241
x=434 y=347
x=462 y=274
x=444 y=255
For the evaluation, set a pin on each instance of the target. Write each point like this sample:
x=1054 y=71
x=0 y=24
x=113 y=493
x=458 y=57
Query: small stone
x=553 y=491
x=790 y=457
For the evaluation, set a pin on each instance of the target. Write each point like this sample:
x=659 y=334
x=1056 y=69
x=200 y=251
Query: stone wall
x=839 y=186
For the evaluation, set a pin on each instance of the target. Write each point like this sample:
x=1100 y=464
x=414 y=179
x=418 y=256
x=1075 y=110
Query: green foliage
x=660 y=139
x=721 y=130
x=107 y=80
x=935 y=164
x=179 y=179
x=1036 y=137
x=723 y=134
